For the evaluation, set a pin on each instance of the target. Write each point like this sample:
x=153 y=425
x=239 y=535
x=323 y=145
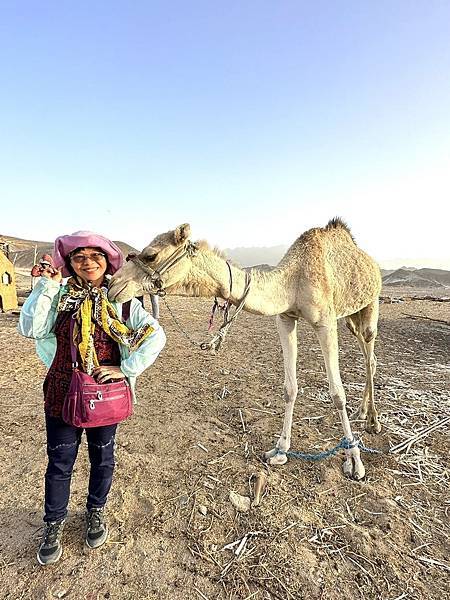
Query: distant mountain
x=264 y=267
x=22 y=252
x=248 y=257
x=438 y=275
x=386 y=272
x=414 y=263
x=403 y=277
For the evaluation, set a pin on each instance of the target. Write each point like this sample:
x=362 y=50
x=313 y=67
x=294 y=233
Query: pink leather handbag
x=92 y=404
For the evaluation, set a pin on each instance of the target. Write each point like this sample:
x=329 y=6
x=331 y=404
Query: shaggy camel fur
x=323 y=277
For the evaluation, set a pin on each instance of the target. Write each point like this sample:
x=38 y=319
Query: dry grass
x=198 y=434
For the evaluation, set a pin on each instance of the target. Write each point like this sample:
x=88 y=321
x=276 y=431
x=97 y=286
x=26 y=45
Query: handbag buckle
x=99 y=395
x=92 y=404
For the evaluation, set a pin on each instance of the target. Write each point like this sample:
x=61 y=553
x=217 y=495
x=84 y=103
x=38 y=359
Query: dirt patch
x=198 y=433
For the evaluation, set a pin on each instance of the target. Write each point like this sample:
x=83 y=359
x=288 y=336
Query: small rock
x=184 y=500
x=203 y=510
x=240 y=503
x=59 y=593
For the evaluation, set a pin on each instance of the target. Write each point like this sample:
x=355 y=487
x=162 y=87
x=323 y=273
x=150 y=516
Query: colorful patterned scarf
x=91 y=307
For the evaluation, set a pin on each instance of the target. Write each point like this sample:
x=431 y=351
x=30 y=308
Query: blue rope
x=370 y=450
x=344 y=444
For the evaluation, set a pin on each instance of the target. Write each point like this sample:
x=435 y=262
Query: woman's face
x=90 y=264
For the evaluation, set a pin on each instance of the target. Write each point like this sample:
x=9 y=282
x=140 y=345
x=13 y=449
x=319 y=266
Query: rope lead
x=344 y=444
x=216 y=342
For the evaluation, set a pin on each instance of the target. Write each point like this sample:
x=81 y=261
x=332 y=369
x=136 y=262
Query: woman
x=107 y=350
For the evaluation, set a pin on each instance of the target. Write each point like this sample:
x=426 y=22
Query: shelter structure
x=8 y=292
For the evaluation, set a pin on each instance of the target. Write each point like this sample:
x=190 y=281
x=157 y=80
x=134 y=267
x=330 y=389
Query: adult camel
x=324 y=276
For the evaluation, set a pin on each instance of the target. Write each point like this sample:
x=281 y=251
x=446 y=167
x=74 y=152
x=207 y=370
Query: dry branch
x=416 y=317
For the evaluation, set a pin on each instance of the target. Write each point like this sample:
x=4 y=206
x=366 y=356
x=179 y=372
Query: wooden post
x=33 y=279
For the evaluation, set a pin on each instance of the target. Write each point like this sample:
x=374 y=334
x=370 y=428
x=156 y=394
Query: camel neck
x=210 y=276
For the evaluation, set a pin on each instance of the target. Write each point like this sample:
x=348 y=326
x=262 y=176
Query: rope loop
x=216 y=342
x=344 y=444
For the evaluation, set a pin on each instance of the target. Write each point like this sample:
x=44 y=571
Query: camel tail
x=338 y=223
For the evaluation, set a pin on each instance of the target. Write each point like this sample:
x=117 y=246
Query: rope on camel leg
x=344 y=444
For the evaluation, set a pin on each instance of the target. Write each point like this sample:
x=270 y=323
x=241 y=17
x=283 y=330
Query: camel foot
x=353 y=467
x=361 y=413
x=274 y=458
x=373 y=425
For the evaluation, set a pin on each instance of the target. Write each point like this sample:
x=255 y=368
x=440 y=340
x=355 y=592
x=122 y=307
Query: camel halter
x=216 y=342
x=153 y=276
x=225 y=307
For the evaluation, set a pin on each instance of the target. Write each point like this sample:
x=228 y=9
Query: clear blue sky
x=252 y=120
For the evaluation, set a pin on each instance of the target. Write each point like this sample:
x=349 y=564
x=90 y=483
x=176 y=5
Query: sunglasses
x=98 y=257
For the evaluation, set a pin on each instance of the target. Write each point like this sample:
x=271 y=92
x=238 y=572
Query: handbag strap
x=126 y=309
x=73 y=350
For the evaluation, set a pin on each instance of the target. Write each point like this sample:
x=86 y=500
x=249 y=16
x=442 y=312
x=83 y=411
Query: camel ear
x=182 y=233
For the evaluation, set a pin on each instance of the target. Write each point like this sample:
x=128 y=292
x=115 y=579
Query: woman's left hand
x=105 y=373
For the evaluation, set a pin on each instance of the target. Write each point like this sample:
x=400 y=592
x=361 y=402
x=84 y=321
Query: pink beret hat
x=66 y=244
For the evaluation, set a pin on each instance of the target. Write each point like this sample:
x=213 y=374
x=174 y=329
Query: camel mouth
x=120 y=293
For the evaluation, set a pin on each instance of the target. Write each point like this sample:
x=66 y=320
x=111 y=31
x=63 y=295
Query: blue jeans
x=62 y=448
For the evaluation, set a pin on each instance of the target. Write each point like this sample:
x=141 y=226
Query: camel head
x=161 y=265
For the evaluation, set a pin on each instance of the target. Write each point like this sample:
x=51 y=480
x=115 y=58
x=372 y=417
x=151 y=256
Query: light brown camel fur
x=323 y=277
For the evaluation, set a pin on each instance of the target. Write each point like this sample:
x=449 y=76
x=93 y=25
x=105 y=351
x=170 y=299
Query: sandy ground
x=198 y=433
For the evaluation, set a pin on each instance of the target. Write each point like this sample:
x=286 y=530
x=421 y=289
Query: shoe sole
x=97 y=544
x=49 y=562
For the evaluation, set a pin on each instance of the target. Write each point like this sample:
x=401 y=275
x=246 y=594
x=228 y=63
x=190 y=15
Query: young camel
x=323 y=277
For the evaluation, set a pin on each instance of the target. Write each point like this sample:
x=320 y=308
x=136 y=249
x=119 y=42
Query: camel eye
x=151 y=257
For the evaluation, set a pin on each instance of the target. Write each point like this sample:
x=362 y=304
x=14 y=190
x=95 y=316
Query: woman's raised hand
x=51 y=273
x=46 y=269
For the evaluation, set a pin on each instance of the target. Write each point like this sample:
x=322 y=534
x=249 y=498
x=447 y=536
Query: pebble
x=184 y=500
x=240 y=503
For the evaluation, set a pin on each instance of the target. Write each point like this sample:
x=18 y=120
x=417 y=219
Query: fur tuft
x=338 y=223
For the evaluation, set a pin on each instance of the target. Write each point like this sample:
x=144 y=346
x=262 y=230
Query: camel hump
x=338 y=223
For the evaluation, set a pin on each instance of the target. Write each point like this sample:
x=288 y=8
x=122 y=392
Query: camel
x=324 y=276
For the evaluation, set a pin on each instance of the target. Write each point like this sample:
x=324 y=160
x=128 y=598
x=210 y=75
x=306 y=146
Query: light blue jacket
x=38 y=316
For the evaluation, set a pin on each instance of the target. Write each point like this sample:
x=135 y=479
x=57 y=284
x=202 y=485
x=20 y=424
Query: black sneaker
x=50 y=549
x=97 y=530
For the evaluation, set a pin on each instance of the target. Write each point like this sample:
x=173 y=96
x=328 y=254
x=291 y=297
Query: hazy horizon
x=388 y=264
x=279 y=250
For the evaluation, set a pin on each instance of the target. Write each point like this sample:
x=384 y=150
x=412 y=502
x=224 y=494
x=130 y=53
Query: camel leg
x=364 y=326
x=327 y=334
x=287 y=330
x=372 y=423
x=354 y=325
